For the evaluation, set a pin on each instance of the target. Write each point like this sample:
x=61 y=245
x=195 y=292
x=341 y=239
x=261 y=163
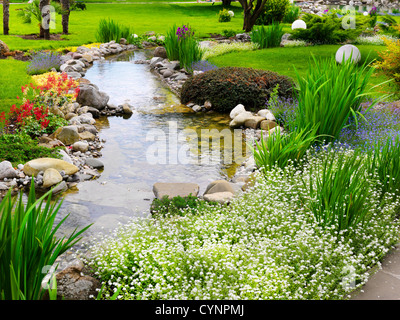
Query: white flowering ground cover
x=265 y=245
x=224 y=48
x=377 y=39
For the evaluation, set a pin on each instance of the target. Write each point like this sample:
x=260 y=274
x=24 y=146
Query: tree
x=6 y=16
x=44 y=31
x=65 y=15
x=251 y=13
x=226 y=2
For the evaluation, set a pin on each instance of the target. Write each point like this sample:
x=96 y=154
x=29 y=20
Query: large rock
x=267 y=125
x=220 y=197
x=81 y=146
x=236 y=110
x=95 y=163
x=171 y=190
x=240 y=119
x=219 y=186
x=7 y=170
x=160 y=52
x=67 y=135
x=87 y=136
x=33 y=167
x=51 y=177
x=3 y=48
x=254 y=122
x=72 y=284
x=92 y=97
x=267 y=114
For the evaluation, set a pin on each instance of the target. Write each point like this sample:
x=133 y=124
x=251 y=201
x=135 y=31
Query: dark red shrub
x=227 y=87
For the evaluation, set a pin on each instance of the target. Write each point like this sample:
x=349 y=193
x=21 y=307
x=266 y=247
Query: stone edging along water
x=80 y=137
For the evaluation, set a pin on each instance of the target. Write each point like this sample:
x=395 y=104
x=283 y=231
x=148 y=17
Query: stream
x=157 y=143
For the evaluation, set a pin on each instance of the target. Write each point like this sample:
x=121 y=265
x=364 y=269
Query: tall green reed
x=28 y=244
x=280 y=149
x=338 y=192
x=171 y=44
x=330 y=94
x=384 y=160
x=180 y=44
x=110 y=30
x=267 y=36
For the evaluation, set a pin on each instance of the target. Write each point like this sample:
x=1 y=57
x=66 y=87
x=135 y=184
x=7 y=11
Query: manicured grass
x=142 y=18
x=287 y=60
x=12 y=76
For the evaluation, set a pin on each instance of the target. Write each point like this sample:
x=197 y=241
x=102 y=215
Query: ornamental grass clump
x=28 y=245
x=43 y=62
x=384 y=160
x=264 y=245
x=280 y=149
x=339 y=196
x=180 y=44
x=267 y=36
x=330 y=94
x=111 y=30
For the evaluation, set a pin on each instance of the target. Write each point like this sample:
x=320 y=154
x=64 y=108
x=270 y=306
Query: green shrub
x=110 y=30
x=34 y=129
x=177 y=206
x=224 y=16
x=292 y=14
x=28 y=244
x=227 y=87
x=274 y=10
x=229 y=33
x=267 y=37
x=20 y=148
x=324 y=30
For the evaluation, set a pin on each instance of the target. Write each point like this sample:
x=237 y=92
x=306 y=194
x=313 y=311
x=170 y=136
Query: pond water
x=131 y=166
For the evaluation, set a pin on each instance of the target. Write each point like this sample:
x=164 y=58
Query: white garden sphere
x=299 y=24
x=231 y=13
x=348 y=50
x=365 y=13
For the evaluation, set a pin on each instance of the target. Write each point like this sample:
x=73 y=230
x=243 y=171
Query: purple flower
x=204 y=66
x=43 y=62
x=184 y=32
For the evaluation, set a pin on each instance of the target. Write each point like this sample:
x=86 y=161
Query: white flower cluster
x=376 y=40
x=224 y=48
x=294 y=43
x=265 y=245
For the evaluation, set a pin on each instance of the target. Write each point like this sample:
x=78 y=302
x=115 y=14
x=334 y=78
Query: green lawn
x=12 y=77
x=159 y=18
x=287 y=60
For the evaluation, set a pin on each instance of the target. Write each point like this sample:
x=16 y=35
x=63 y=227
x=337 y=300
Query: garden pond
x=159 y=122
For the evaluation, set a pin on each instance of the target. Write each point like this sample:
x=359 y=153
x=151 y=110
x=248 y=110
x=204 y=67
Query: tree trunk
x=44 y=31
x=65 y=15
x=226 y=2
x=251 y=14
x=6 y=16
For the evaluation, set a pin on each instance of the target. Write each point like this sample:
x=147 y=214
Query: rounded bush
x=227 y=87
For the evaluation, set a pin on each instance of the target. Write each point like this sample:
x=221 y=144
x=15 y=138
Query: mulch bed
x=17 y=55
x=35 y=36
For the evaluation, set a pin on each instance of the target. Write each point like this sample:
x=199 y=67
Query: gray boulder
x=7 y=170
x=92 y=97
x=160 y=52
